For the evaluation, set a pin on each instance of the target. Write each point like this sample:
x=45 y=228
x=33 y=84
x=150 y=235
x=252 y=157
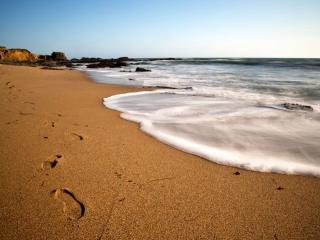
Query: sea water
x=229 y=111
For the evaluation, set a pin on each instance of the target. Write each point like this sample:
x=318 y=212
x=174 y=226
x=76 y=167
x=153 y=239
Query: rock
x=90 y=60
x=95 y=65
x=295 y=106
x=44 y=58
x=70 y=65
x=2 y=54
x=53 y=68
x=58 y=56
x=123 y=59
x=48 y=63
x=140 y=69
x=17 y=55
x=108 y=63
x=167 y=87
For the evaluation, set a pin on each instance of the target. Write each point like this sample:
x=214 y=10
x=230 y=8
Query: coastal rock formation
x=45 y=58
x=108 y=63
x=295 y=106
x=167 y=87
x=123 y=59
x=75 y=60
x=90 y=60
x=58 y=56
x=140 y=69
x=17 y=55
x=56 y=59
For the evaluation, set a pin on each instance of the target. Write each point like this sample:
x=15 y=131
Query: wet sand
x=72 y=169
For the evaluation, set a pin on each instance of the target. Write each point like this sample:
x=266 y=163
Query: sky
x=163 y=28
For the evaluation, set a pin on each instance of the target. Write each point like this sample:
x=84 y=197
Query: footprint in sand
x=27 y=102
x=46 y=165
x=25 y=113
x=72 y=207
x=79 y=136
x=49 y=123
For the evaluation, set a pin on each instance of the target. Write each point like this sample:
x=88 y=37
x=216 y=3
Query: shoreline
x=130 y=184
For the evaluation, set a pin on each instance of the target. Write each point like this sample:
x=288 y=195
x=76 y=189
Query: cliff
x=17 y=55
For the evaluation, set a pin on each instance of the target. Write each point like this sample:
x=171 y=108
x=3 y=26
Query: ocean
x=255 y=114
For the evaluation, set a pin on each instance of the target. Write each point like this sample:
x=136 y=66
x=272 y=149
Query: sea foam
x=250 y=136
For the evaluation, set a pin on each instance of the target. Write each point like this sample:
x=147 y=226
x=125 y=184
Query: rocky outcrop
x=56 y=59
x=44 y=58
x=123 y=59
x=17 y=55
x=140 y=69
x=59 y=56
x=108 y=63
x=88 y=60
x=167 y=87
x=295 y=106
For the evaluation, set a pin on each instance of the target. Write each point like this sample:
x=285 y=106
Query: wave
x=227 y=131
x=309 y=63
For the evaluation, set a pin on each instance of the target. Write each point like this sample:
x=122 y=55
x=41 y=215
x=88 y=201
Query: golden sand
x=72 y=169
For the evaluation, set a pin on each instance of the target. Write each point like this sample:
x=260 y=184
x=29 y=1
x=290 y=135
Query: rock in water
x=123 y=59
x=140 y=69
x=58 y=56
x=108 y=63
x=295 y=106
x=89 y=60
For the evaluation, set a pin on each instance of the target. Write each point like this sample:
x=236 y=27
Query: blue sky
x=163 y=28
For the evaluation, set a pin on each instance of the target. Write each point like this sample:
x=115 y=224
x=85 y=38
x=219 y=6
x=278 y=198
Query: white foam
x=227 y=128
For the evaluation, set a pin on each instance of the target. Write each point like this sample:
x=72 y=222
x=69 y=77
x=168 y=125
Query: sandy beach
x=72 y=169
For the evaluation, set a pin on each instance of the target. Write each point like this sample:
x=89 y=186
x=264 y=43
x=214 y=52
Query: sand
x=72 y=169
